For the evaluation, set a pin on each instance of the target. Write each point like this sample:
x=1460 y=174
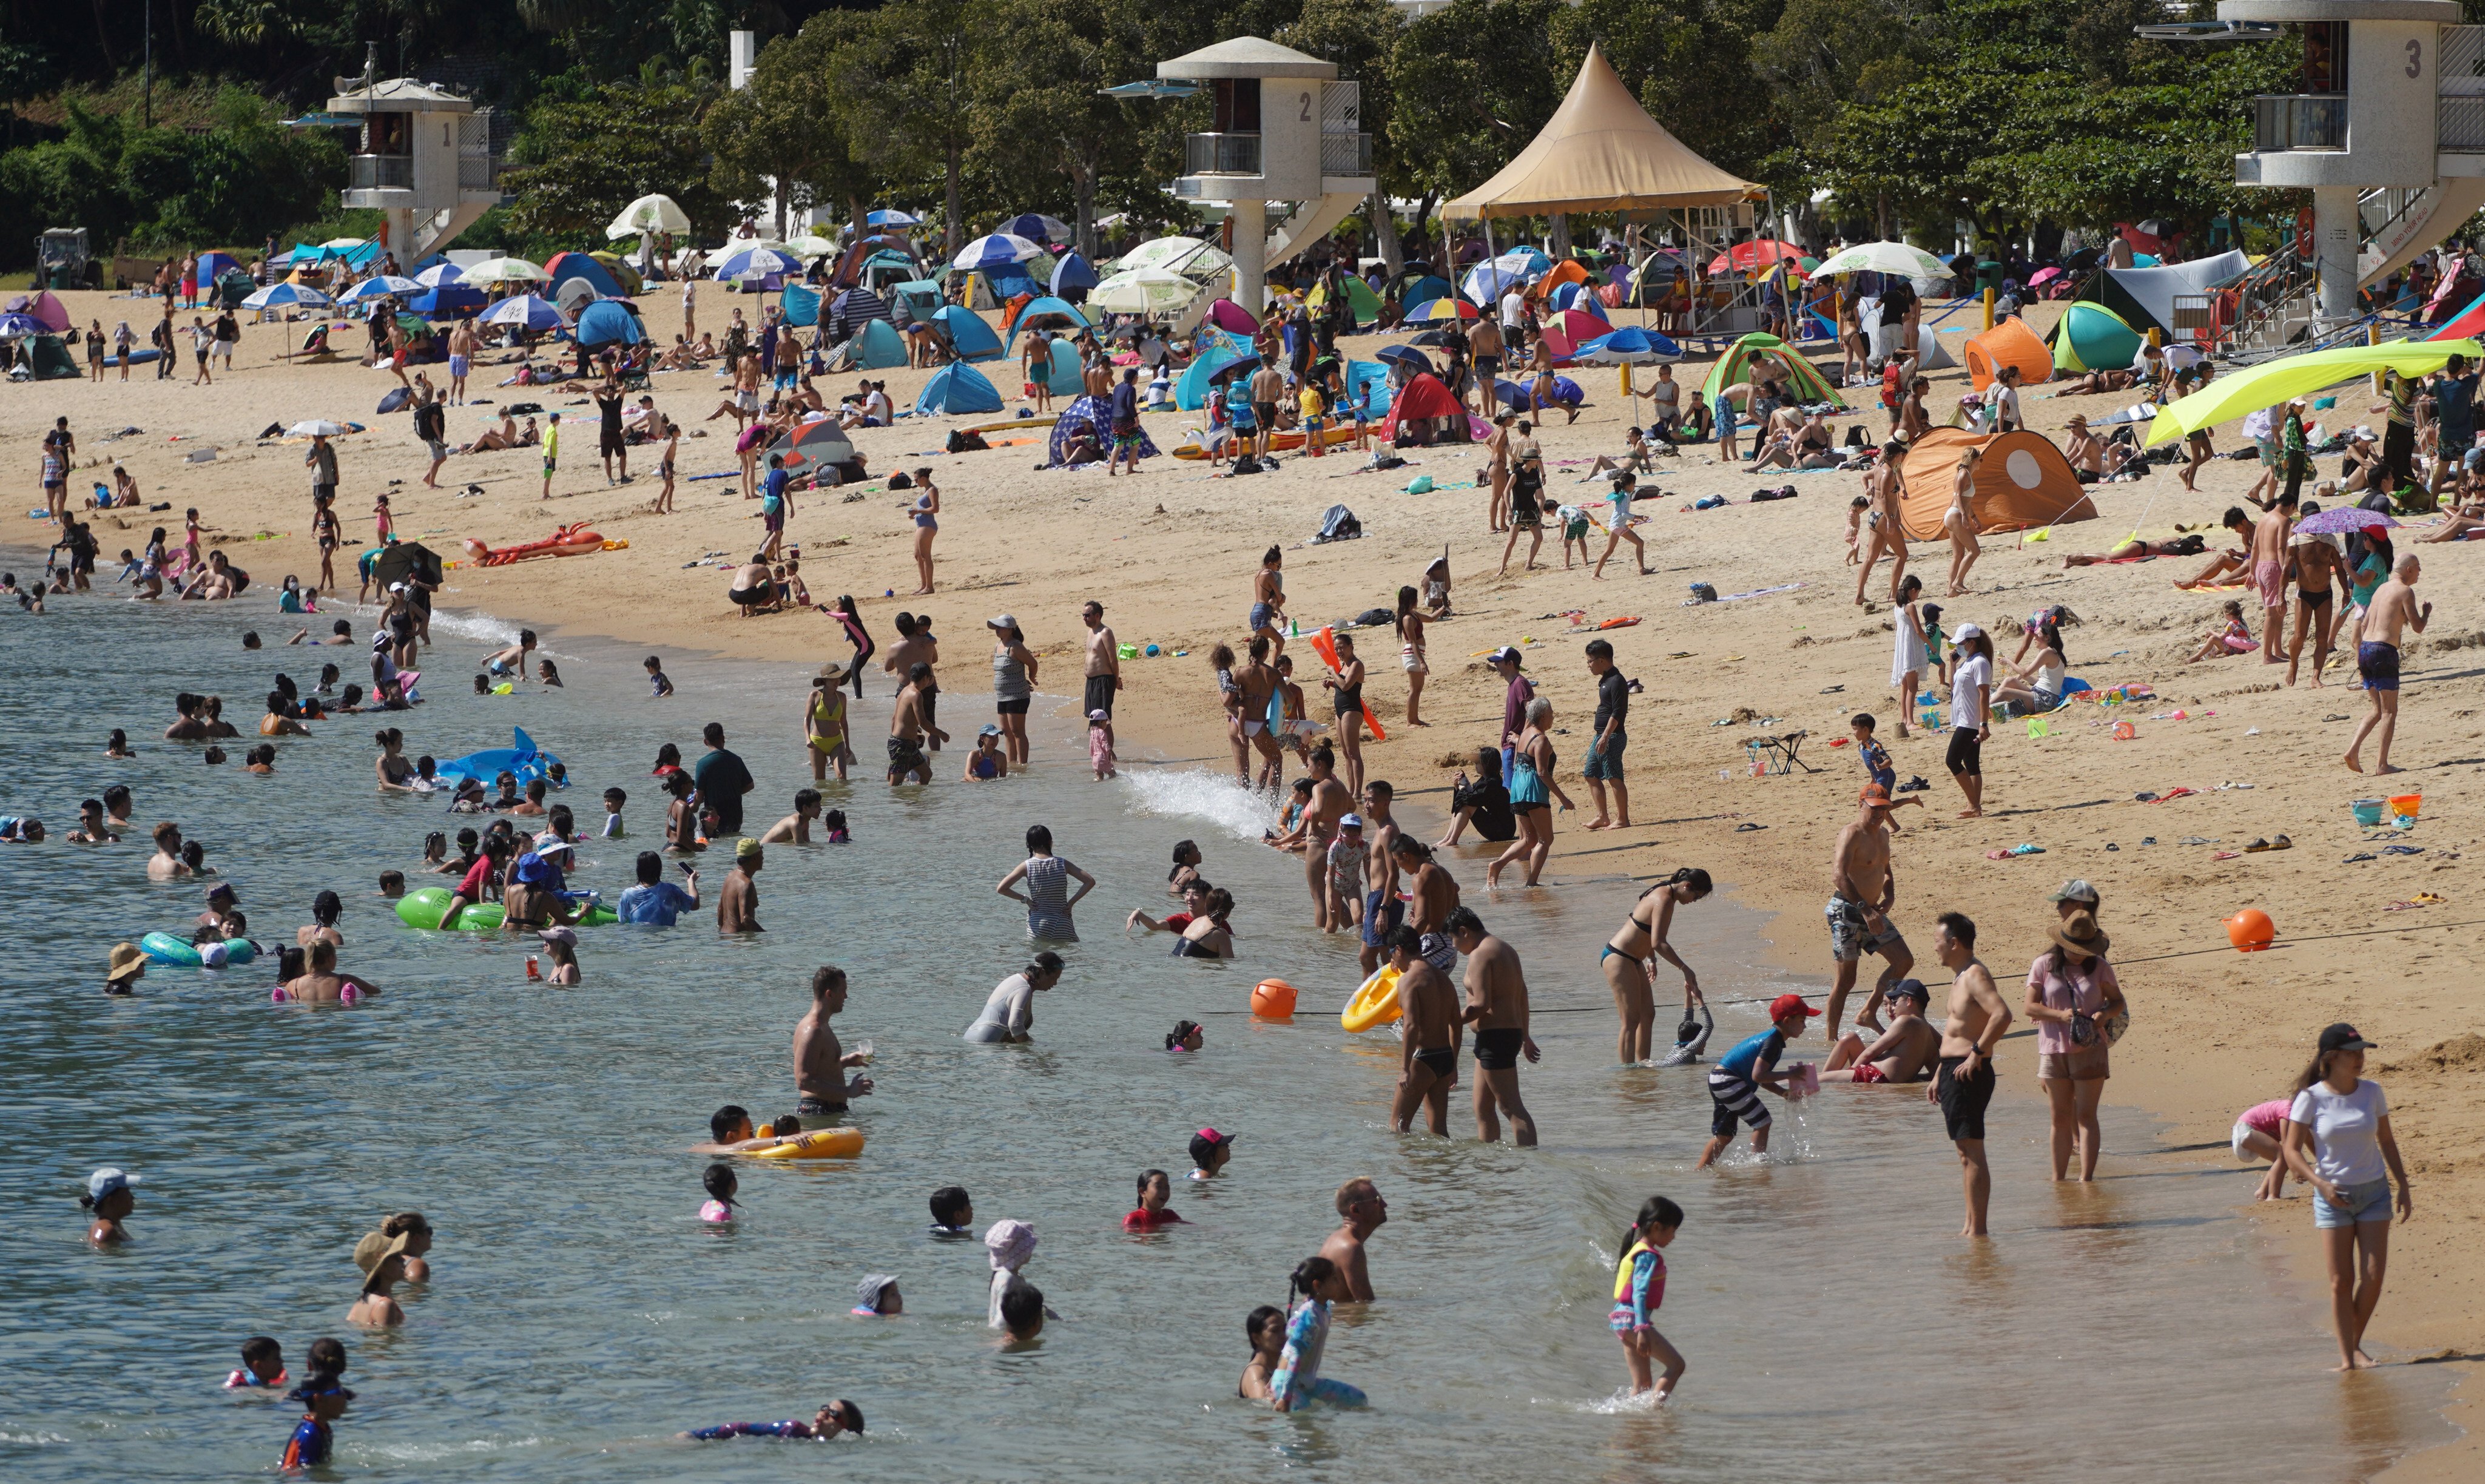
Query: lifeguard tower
x=2388 y=134
x=425 y=158
x=1283 y=129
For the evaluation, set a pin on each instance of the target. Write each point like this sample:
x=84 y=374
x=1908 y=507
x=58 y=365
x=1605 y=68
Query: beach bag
x=962 y=440
x=1244 y=463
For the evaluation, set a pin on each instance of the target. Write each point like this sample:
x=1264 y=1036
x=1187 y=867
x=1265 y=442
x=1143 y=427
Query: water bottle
x=532 y=970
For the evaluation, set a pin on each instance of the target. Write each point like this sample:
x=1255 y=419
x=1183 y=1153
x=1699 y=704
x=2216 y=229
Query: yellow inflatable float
x=1375 y=1003
x=819 y=1144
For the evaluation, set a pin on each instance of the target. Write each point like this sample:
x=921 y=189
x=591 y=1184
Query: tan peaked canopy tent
x=1600 y=151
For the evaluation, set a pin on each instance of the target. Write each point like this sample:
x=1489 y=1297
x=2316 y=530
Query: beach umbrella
x=1143 y=292
x=1630 y=346
x=1743 y=256
x=317 y=427
x=811 y=245
x=1431 y=340
x=893 y=218
x=527 y=311
x=1191 y=257
x=648 y=214
x=286 y=295
x=504 y=271
x=1443 y=309
x=1035 y=226
x=2345 y=518
x=404 y=560
x=2273 y=382
x=440 y=273
x=384 y=285
x=756 y=263
x=2037 y=280
x=1226 y=314
x=12 y=326
x=997 y=250
x=1405 y=355
x=1883 y=258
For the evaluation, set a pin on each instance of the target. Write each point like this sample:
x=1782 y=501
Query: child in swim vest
x=323 y=1400
x=720 y=1186
x=262 y=1364
x=1639 y=1288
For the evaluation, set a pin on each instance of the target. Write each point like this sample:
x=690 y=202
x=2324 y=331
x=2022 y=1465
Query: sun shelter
x=1776 y=361
x=573 y=295
x=1570 y=329
x=608 y=323
x=817 y=443
x=51 y=359
x=2012 y=343
x=622 y=271
x=1360 y=301
x=2144 y=297
x=213 y=266
x=875 y=347
x=848 y=311
x=1422 y=396
x=1570 y=270
x=800 y=304
x=1065 y=376
x=2022 y=481
x=1223 y=352
x=1091 y=418
x=957 y=388
x=44 y=306
x=1600 y=151
x=1048 y=314
x=565 y=267
x=1071 y=275
x=2090 y=337
x=971 y=338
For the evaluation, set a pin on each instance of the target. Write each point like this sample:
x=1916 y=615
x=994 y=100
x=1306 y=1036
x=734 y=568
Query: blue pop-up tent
x=1191 y=393
x=565 y=267
x=607 y=322
x=801 y=305
x=1066 y=378
x=1048 y=314
x=1072 y=278
x=957 y=388
x=876 y=346
x=970 y=336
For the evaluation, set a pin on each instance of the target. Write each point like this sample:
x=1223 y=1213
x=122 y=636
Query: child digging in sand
x=2234 y=638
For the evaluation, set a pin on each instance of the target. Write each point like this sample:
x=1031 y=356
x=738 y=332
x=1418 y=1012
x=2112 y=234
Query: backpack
x=1244 y=463
x=962 y=440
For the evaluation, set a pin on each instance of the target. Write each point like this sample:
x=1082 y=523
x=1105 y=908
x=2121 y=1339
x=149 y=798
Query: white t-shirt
x=2346 y=1131
x=1011 y=1007
x=1513 y=308
x=1968 y=687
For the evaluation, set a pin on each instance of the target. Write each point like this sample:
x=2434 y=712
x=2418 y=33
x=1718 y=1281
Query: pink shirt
x=2265 y=1117
x=2069 y=987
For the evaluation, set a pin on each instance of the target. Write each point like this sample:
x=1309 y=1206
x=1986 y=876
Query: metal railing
x=1346 y=154
x=2459 y=124
x=1221 y=155
x=381 y=173
x=2299 y=120
x=478 y=173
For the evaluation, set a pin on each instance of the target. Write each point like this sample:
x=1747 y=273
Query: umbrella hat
x=2273 y=382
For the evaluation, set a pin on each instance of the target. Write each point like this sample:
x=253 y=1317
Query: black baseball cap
x=2343 y=1037
x=1912 y=987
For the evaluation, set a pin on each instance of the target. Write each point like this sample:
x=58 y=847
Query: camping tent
x=1191 y=392
x=2010 y=343
x=1048 y=314
x=1570 y=329
x=568 y=265
x=623 y=273
x=1778 y=359
x=1066 y=378
x=213 y=266
x=1091 y=416
x=2090 y=337
x=1072 y=278
x=1367 y=387
x=801 y=305
x=1360 y=301
x=876 y=346
x=573 y=295
x=921 y=296
x=2023 y=481
x=971 y=338
x=608 y=323
x=51 y=358
x=44 y=306
x=1570 y=270
x=819 y=441
x=2144 y=297
x=1422 y=396
x=848 y=311
x=957 y=388
x=1600 y=151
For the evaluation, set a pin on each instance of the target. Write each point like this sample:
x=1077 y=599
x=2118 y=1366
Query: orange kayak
x=1280 y=442
x=569 y=540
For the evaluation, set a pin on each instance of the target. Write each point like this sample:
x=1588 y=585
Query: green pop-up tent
x=1779 y=361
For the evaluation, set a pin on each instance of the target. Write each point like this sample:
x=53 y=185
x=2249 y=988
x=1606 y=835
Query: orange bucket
x=1273 y=1000
x=2406 y=805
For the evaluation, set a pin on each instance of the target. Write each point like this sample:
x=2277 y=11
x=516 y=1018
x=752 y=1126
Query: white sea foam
x=1194 y=794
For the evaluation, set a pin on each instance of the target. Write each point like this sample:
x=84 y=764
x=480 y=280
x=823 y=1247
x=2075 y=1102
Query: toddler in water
x=953 y=1211
x=658 y=685
x=262 y=1364
x=614 y=799
x=323 y=1398
x=1186 y=1035
x=1639 y=1288
x=2235 y=638
x=880 y=1297
x=1100 y=744
x=720 y=1186
x=833 y=825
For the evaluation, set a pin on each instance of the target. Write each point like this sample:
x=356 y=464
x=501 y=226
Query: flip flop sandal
x=2402 y=850
x=2258 y=846
x=2400 y=907
x=2360 y=855
x=2225 y=855
x=2431 y=899
x=1748 y=825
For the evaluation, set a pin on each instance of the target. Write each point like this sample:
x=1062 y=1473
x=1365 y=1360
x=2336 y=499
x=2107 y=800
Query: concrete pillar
x=2336 y=233
x=1250 y=219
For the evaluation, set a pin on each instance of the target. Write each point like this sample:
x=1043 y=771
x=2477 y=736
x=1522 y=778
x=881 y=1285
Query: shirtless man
x=2377 y=658
x=819 y=1063
x=1497 y=1007
x=1104 y=660
x=1497 y=445
x=1903 y=1054
x=2084 y=450
x=2320 y=577
x=1258 y=680
x=1484 y=344
x=1433 y=898
x=1381 y=908
x=91 y=829
x=1268 y=388
x=2230 y=561
x=1978 y=1018
x=794 y=829
x=1364 y=1212
x=1881 y=487
x=737 y=906
x=320 y=982
x=916 y=646
x=1328 y=806
x=1428 y=1064
x=1863 y=884
x=2269 y=573
x=166 y=863
x=908 y=727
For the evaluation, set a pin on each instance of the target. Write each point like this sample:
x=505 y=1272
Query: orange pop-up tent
x=2022 y=481
x=2007 y=344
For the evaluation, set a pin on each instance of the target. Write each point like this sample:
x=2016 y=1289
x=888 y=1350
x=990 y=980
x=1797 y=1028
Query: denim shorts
x=2368 y=1202
x=1605 y=763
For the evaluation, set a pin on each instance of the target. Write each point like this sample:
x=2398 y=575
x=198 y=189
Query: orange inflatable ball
x=2251 y=930
x=1273 y=998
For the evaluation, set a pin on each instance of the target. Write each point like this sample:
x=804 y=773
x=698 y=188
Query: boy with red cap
x=1734 y=1082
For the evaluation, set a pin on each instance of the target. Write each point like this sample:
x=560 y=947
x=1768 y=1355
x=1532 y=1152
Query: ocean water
x=581 y=1315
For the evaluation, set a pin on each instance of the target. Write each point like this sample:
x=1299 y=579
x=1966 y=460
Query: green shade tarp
x=2273 y=382
x=1779 y=361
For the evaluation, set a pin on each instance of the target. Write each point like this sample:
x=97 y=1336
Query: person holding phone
x=656 y=902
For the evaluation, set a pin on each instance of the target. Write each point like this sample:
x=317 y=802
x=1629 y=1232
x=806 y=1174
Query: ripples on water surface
x=1835 y=1325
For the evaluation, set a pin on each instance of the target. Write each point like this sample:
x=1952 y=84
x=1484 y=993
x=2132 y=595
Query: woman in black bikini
x=1635 y=944
x=1348 y=684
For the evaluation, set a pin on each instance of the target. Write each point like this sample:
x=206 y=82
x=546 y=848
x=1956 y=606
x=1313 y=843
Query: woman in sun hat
x=824 y=724
x=1014 y=667
x=2075 y=1000
x=2338 y=1141
x=128 y=966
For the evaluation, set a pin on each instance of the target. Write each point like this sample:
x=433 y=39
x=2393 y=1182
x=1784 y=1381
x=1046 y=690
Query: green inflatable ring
x=424 y=908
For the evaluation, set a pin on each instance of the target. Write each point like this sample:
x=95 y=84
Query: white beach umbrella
x=646 y=215
x=1882 y=258
x=1143 y=292
x=504 y=271
x=380 y=286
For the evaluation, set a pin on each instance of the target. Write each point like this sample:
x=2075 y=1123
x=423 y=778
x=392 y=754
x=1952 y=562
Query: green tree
x=1361 y=37
x=775 y=129
x=1043 y=114
x=905 y=95
x=581 y=162
x=1470 y=84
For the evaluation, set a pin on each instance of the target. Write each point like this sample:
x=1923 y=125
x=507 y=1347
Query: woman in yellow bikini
x=824 y=724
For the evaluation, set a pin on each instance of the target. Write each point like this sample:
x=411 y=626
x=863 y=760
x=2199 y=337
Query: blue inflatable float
x=525 y=761
x=180 y=953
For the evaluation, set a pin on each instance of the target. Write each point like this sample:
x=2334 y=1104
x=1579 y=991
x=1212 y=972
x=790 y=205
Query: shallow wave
x=1194 y=794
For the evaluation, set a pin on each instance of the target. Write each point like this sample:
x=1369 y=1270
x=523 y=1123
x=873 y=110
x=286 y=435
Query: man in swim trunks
x=907 y=728
x=2377 y=657
x=819 y=1060
x=1978 y=1019
x=737 y=905
x=1903 y=1054
x=1432 y=895
x=1429 y=1058
x=2318 y=559
x=1103 y=659
x=1863 y=884
x=1364 y=1212
x=2269 y=572
x=1382 y=911
x=1497 y=1007
x=1324 y=818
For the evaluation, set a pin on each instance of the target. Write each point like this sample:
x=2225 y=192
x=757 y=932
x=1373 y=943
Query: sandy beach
x=1171 y=552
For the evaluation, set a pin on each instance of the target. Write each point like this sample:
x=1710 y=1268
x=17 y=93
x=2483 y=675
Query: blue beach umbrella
x=528 y=311
x=285 y=296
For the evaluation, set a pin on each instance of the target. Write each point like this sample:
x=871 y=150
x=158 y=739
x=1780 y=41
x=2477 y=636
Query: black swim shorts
x=1100 y=694
x=1442 y=1059
x=1966 y=756
x=906 y=756
x=1964 y=1099
x=1497 y=1048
